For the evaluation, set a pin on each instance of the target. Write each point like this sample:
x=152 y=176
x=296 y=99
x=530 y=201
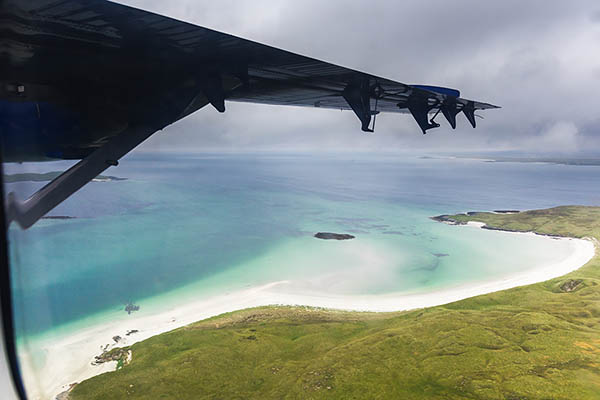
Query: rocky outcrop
x=112 y=355
x=571 y=285
x=65 y=395
x=447 y=219
x=334 y=236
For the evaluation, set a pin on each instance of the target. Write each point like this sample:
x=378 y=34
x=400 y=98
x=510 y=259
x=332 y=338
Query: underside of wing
x=91 y=80
x=123 y=55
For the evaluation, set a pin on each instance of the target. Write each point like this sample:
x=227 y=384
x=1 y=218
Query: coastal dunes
x=536 y=341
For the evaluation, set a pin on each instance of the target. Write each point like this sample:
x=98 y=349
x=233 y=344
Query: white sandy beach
x=71 y=355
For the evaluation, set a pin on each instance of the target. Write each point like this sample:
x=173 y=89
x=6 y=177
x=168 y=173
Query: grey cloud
x=537 y=59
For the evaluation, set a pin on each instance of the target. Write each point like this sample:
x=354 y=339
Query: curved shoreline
x=75 y=352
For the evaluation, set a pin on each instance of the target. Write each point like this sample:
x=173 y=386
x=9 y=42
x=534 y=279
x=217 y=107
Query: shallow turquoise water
x=187 y=226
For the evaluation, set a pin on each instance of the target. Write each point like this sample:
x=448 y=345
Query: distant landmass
x=548 y=160
x=48 y=176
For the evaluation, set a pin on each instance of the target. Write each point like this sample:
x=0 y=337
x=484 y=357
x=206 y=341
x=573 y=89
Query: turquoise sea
x=198 y=225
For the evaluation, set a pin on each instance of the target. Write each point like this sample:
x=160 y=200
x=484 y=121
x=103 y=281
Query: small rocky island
x=335 y=236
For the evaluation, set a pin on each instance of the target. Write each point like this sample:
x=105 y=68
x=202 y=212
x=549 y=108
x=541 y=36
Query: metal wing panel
x=91 y=79
x=263 y=62
x=108 y=34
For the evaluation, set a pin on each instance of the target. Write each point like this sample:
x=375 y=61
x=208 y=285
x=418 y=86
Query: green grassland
x=539 y=341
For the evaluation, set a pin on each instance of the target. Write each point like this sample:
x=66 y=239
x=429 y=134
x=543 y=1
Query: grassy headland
x=539 y=341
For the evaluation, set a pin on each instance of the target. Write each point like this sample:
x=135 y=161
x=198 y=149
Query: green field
x=539 y=341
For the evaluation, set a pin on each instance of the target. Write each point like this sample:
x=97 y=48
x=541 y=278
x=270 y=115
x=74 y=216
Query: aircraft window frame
x=8 y=333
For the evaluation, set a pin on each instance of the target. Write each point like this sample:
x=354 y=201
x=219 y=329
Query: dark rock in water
x=131 y=332
x=571 y=285
x=441 y=254
x=116 y=338
x=58 y=217
x=336 y=236
x=378 y=226
x=130 y=307
x=393 y=233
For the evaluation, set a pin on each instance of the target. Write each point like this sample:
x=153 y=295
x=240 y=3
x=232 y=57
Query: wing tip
x=486 y=106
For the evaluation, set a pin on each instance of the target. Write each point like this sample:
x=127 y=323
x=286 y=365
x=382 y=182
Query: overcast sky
x=539 y=60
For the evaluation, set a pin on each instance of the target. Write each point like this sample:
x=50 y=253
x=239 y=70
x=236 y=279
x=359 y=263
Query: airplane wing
x=91 y=79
